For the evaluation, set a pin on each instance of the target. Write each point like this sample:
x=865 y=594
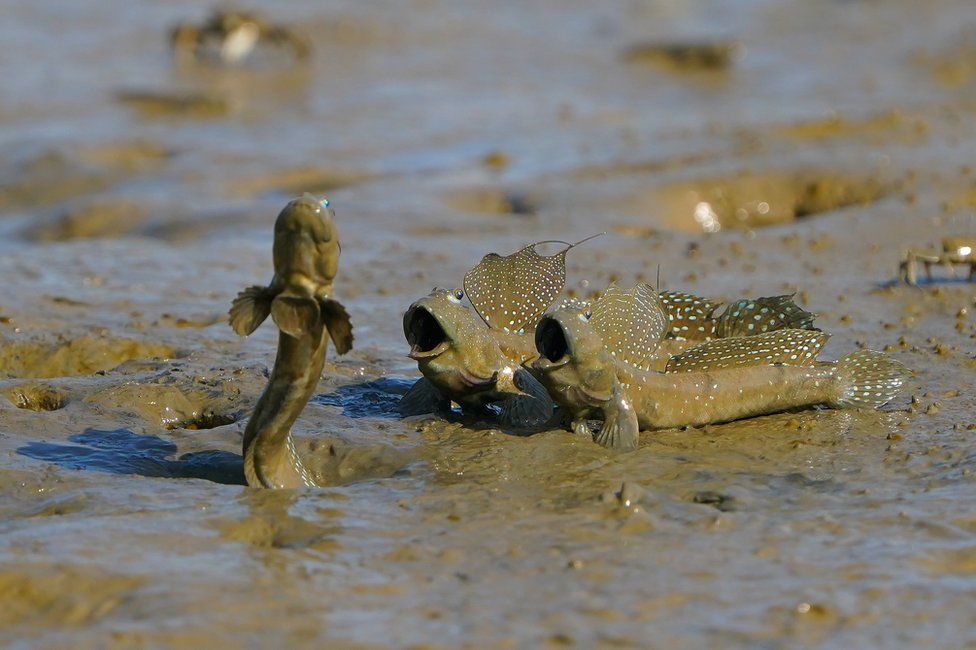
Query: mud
x=441 y=133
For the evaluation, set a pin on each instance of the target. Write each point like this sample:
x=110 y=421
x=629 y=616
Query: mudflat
x=743 y=149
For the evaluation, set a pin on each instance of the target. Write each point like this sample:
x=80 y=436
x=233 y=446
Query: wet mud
x=749 y=156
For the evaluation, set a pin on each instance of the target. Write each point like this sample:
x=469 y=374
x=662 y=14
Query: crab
x=230 y=36
x=955 y=251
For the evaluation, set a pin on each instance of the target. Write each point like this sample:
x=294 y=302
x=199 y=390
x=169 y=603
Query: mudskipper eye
x=587 y=314
x=458 y=293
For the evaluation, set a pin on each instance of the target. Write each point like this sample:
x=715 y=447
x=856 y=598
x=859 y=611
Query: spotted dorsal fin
x=786 y=347
x=631 y=323
x=511 y=293
x=749 y=317
x=690 y=316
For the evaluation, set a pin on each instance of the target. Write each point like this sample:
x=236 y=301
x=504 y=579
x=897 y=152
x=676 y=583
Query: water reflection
x=121 y=451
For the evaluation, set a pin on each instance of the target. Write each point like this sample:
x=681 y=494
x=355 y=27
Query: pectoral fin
x=336 y=319
x=249 y=309
x=530 y=406
x=422 y=398
x=295 y=316
x=620 y=429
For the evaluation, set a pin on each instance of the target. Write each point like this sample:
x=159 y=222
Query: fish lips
x=417 y=354
x=542 y=364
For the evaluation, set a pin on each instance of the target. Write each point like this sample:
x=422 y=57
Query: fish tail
x=868 y=379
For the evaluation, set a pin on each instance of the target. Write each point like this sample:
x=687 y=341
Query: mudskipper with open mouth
x=477 y=362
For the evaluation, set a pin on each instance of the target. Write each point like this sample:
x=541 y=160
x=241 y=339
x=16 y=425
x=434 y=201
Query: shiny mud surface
x=801 y=149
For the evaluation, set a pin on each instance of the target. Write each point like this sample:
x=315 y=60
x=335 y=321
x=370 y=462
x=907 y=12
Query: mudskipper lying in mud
x=595 y=363
x=477 y=362
x=306 y=256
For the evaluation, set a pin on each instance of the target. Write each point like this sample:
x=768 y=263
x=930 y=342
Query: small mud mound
x=171 y=406
x=80 y=356
x=489 y=200
x=686 y=56
x=751 y=200
x=94 y=219
x=36 y=397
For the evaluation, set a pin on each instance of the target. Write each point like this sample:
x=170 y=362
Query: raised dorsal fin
x=690 y=316
x=631 y=322
x=511 y=293
x=748 y=317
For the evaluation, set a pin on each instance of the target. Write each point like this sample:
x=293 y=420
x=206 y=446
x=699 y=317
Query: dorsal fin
x=631 y=322
x=511 y=293
x=749 y=317
x=690 y=315
x=787 y=347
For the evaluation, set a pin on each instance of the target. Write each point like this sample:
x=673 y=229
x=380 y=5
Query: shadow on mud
x=123 y=452
x=371 y=399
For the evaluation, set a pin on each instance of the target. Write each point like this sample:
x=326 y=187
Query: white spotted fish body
x=787 y=347
x=631 y=323
x=727 y=380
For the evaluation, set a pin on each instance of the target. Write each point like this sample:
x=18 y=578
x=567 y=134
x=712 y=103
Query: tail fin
x=868 y=379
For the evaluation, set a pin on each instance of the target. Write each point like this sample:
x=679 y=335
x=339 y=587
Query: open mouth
x=551 y=342
x=424 y=334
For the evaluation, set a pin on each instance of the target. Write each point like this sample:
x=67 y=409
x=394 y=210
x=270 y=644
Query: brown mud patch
x=60 y=174
x=91 y=220
x=83 y=355
x=953 y=64
x=190 y=105
x=312 y=179
x=35 y=396
x=754 y=200
x=684 y=57
x=52 y=595
x=884 y=127
x=490 y=200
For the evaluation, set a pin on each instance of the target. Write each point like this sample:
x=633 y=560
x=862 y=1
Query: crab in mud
x=955 y=250
x=229 y=37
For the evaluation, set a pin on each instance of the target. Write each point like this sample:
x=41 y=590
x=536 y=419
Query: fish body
x=306 y=256
x=758 y=377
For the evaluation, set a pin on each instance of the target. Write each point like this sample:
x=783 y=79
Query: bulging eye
x=458 y=293
x=587 y=314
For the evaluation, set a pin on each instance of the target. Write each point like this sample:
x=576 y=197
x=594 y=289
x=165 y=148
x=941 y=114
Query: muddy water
x=138 y=197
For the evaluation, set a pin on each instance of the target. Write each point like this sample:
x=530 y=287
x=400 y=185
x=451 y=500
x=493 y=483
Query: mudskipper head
x=573 y=359
x=306 y=244
x=452 y=346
